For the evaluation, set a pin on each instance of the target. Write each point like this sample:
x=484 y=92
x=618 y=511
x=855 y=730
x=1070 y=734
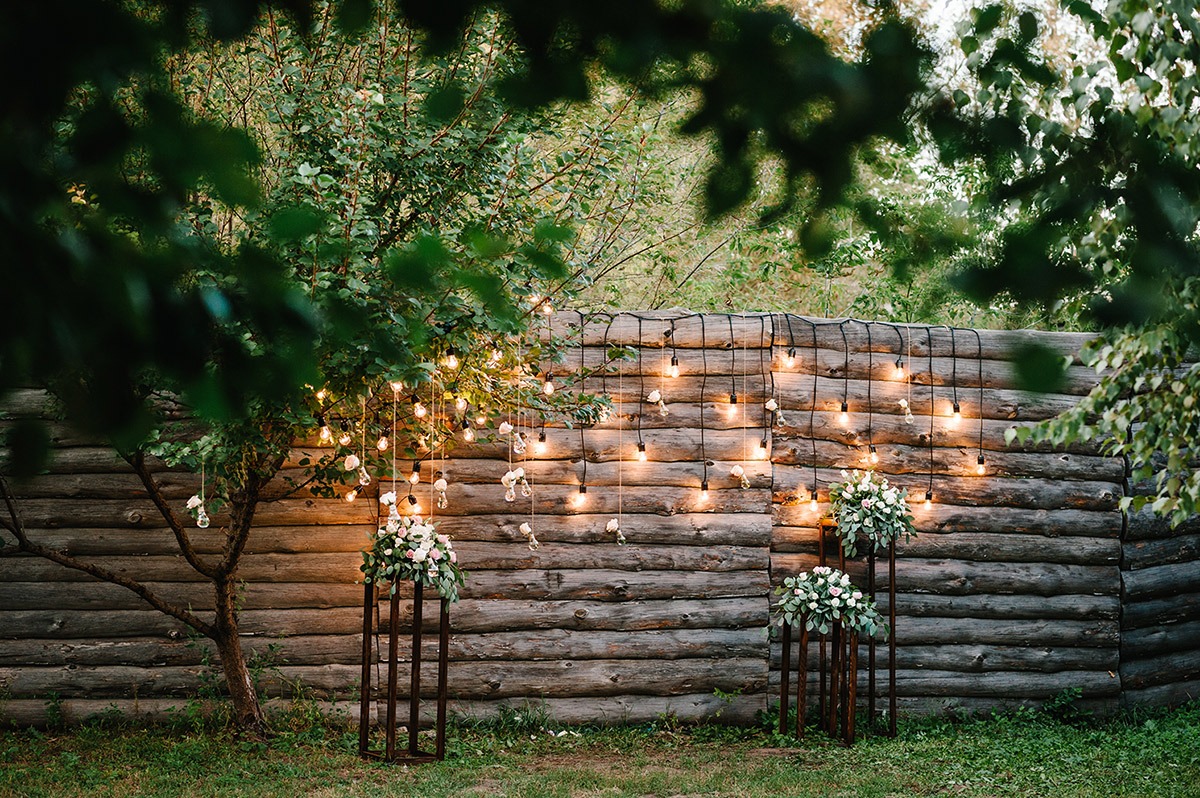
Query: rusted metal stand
x=413 y=753
x=837 y=659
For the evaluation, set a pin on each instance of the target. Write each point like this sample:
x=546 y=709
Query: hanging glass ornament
x=364 y=478
x=739 y=473
x=440 y=488
x=202 y=519
x=518 y=444
x=614 y=526
x=527 y=531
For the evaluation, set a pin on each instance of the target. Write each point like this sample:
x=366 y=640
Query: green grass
x=1030 y=754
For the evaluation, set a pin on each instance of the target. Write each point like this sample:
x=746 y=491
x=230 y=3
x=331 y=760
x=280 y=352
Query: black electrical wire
x=703 y=385
x=929 y=340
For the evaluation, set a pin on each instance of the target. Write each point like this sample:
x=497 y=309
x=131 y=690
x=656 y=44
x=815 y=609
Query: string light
x=673 y=371
x=844 y=416
x=540 y=446
x=495 y=357
x=761 y=451
x=413 y=505
x=874 y=455
x=812 y=499
x=928 y=498
x=733 y=403
x=460 y=404
x=480 y=420
x=451 y=360
x=345 y=438
x=789 y=359
x=956 y=416
x=641 y=451
x=898 y=373
x=548 y=384
x=468 y=431
x=382 y=444
x=415 y=476
x=419 y=410
x=704 y=491
x=351 y=495
x=321 y=394
x=397 y=387
x=547 y=308
x=326 y=433
x=581 y=496
x=980 y=465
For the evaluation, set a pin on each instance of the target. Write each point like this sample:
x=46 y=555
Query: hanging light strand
x=641 y=388
x=733 y=394
x=812 y=412
x=872 y=455
x=932 y=397
x=674 y=353
x=767 y=374
x=789 y=358
x=980 y=463
x=845 y=372
x=956 y=410
x=703 y=385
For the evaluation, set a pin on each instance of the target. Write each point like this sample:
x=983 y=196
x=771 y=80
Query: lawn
x=1154 y=755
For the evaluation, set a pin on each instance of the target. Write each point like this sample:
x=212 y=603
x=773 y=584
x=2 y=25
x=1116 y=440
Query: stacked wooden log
x=1011 y=593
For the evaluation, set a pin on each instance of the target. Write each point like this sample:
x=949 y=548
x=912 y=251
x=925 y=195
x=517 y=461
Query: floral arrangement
x=866 y=507
x=409 y=549
x=825 y=597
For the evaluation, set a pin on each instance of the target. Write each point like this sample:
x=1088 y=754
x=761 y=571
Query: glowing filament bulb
x=548 y=384
x=547 y=308
x=480 y=419
x=397 y=387
x=495 y=357
x=382 y=444
x=419 y=410
x=460 y=404
x=351 y=496
x=415 y=476
x=540 y=446
x=874 y=455
x=580 y=497
x=733 y=404
x=980 y=466
x=761 y=451
x=641 y=451
x=345 y=438
x=321 y=394
x=451 y=360
x=789 y=359
x=928 y=499
x=414 y=506
x=326 y=433
x=956 y=415
x=468 y=431
x=673 y=371
x=844 y=415
x=812 y=500
x=704 y=491
x=899 y=371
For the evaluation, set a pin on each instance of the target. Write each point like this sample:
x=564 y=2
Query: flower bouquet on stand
x=866 y=508
x=406 y=548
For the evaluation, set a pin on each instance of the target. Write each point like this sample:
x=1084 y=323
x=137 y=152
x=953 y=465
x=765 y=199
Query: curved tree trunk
x=247 y=712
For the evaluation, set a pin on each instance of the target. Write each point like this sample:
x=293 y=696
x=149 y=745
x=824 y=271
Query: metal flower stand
x=412 y=753
x=837 y=675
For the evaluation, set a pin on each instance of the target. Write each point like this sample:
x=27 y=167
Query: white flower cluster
x=825 y=597
x=867 y=508
x=196 y=506
x=408 y=549
x=511 y=480
x=655 y=397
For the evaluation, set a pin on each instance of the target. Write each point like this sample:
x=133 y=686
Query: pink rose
x=409 y=554
x=435 y=554
x=453 y=557
x=835 y=591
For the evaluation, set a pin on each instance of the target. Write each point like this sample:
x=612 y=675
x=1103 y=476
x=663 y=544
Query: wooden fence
x=1022 y=582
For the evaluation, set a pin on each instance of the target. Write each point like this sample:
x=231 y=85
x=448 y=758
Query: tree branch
x=16 y=526
x=138 y=462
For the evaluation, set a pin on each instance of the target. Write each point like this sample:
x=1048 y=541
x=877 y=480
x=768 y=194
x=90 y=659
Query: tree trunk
x=247 y=713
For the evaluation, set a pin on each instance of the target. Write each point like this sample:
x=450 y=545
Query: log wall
x=1019 y=585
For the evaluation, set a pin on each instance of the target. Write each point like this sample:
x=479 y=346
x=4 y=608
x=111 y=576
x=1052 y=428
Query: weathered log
x=696 y=529
x=35 y=712
x=620 y=558
x=791 y=330
x=793 y=482
x=1162 y=580
x=603 y=445
x=952 y=518
x=332 y=568
x=1145 y=525
x=174 y=485
x=1151 y=642
x=957 y=685
x=610 y=585
x=64 y=624
x=956 y=577
x=960 y=461
x=974 y=658
x=141 y=514
x=468 y=680
x=99 y=596
x=742 y=709
x=144 y=542
x=629 y=474
x=1167 y=695
x=1176 y=666
x=976 y=546
x=1005 y=607
x=1139 y=554
x=1143 y=614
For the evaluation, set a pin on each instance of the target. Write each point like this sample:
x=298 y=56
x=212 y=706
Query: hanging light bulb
x=321 y=394
x=397 y=387
x=760 y=451
x=419 y=410
x=494 y=357
x=581 y=496
x=451 y=360
x=351 y=496
x=704 y=491
x=733 y=404
x=345 y=438
x=898 y=373
x=928 y=499
x=415 y=476
x=641 y=451
x=460 y=404
x=956 y=415
x=480 y=420
x=547 y=308
x=540 y=446
x=789 y=359
x=548 y=384
x=673 y=371
x=812 y=499
x=468 y=431
x=326 y=433
x=844 y=415
x=980 y=466
x=382 y=444
x=534 y=299
x=414 y=506
x=874 y=455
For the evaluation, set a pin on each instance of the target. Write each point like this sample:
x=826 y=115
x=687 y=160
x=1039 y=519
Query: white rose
x=194 y=502
x=440 y=485
x=526 y=529
x=508 y=479
x=519 y=473
x=388 y=498
x=419 y=555
x=812 y=605
x=654 y=396
x=505 y=428
x=352 y=462
x=850 y=602
x=737 y=471
x=772 y=405
x=845 y=579
x=835 y=602
x=613 y=525
x=803 y=577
